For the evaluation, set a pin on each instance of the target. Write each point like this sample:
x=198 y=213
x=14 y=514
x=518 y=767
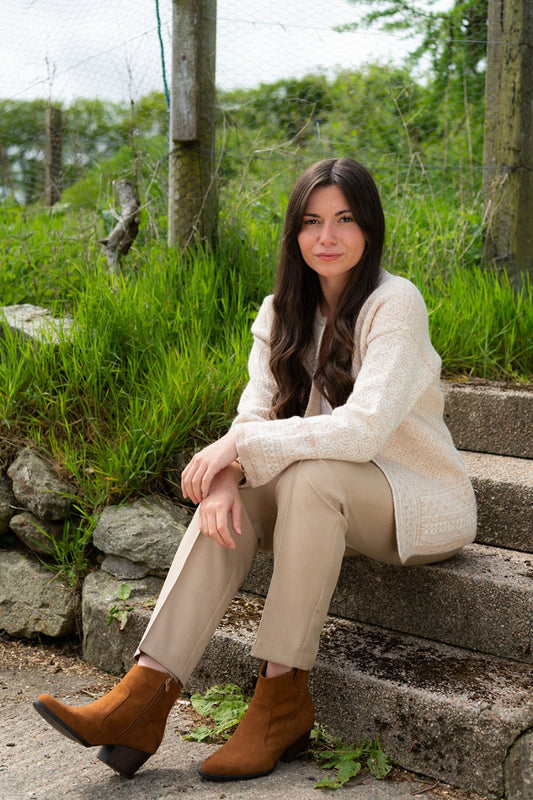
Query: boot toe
x=50 y=709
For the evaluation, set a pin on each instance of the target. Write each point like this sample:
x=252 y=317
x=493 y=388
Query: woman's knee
x=307 y=478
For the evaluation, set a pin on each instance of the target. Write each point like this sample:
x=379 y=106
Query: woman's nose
x=327 y=233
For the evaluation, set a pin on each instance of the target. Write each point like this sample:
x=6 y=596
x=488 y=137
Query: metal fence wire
x=90 y=81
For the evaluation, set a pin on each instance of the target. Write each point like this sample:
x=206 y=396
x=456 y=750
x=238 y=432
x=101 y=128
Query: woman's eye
x=310 y=221
x=346 y=218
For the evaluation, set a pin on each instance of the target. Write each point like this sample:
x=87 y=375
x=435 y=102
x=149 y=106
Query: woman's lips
x=327 y=256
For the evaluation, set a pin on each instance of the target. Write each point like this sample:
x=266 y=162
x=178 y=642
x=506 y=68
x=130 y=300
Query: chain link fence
x=84 y=98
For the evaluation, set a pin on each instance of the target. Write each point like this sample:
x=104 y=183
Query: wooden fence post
x=193 y=201
x=508 y=156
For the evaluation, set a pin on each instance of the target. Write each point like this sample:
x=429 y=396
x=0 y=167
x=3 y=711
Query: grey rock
x=32 y=600
x=37 y=488
x=123 y=568
x=35 y=533
x=518 y=769
x=7 y=505
x=105 y=645
x=146 y=532
x=36 y=324
x=504 y=495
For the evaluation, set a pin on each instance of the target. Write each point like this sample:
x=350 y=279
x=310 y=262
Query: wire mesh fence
x=293 y=86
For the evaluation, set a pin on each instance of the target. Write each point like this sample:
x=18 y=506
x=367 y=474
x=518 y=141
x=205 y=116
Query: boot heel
x=125 y=760
x=297 y=748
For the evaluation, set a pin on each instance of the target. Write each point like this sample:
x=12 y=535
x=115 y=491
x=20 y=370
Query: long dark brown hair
x=297 y=291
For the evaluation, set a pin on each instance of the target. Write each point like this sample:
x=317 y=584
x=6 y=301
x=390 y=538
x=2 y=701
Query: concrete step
x=454 y=715
x=445 y=712
x=481 y=599
x=504 y=493
x=490 y=417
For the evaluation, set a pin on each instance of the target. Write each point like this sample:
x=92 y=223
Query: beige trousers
x=311 y=515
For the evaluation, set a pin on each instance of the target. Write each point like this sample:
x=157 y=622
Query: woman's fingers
x=198 y=475
x=235 y=513
x=215 y=513
x=214 y=524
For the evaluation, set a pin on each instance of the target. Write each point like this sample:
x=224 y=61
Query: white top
x=325 y=407
x=393 y=417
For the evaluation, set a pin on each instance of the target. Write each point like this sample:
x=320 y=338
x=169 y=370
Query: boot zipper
x=165 y=687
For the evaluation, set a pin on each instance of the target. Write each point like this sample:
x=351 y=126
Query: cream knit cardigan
x=393 y=417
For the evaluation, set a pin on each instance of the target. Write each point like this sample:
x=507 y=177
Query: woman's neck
x=328 y=308
x=330 y=295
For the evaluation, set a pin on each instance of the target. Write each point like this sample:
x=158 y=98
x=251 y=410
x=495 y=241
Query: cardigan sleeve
x=256 y=400
x=398 y=364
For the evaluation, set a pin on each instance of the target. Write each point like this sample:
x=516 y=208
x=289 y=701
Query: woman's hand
x=222 y=504
x=197 y=476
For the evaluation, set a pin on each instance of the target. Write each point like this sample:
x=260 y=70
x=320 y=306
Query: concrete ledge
x=504 y=493
x=440 y=711
x=490 y=418
x=35 y=323
x=481 y=599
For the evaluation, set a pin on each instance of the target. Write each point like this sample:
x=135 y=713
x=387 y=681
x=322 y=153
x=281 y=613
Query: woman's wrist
x=240 y=471
x=232 y=472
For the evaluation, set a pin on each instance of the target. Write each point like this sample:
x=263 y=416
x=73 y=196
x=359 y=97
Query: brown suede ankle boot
x=129 y=721
x=276 y=726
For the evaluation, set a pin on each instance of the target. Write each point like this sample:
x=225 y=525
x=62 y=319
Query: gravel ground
x=38 y=763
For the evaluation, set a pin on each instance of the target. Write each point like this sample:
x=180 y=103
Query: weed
x=68 y=557
x=225 y=705
x=346 y=761
x=121 y=610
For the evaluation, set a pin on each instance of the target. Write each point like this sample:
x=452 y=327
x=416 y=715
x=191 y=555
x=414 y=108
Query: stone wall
x=135 y=544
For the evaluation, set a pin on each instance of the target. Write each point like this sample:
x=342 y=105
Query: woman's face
x=331 y=242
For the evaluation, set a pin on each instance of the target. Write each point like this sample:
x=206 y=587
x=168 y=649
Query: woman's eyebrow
x=337 y=213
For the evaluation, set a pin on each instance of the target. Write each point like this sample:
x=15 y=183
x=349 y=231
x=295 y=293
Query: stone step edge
x=348 y=700
x=504 y=493
x=481 y=599
x=490 y=417
x=447 y=732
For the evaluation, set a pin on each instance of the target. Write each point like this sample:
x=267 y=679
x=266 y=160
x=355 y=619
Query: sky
x=110 y=49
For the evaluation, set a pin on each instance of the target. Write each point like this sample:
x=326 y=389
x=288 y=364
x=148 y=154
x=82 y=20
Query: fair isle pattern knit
x=393 y=417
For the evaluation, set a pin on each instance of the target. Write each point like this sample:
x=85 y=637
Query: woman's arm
x=212 y=476
x=255 y=404
x=398 y=365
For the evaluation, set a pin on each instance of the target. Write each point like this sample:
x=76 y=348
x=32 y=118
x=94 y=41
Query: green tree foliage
x=22 y=136
x=380 y=114
x=94 y=133
x=455 y=41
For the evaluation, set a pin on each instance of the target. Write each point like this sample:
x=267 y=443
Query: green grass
x=153 y=366
x=156 y=361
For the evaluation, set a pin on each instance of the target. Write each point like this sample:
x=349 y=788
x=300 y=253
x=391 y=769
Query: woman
x=339 y=445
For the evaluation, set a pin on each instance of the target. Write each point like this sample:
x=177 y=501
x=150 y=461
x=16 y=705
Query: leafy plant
x=225 y=705
x=346 y=761
x=120 y=611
